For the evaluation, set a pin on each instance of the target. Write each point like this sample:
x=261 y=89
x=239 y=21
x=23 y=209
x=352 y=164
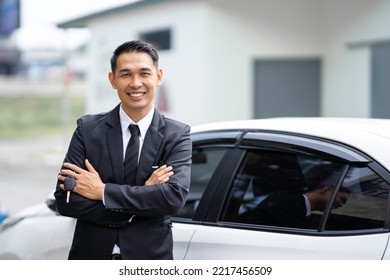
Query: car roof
x=370 y=135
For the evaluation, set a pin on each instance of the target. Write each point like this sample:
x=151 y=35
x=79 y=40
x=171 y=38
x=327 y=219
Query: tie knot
x=134 y=130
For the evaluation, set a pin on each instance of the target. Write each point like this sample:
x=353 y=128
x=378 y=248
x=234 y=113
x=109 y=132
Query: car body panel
x=62 y=239
x=182 y=235
x=210 y=242
x=47 y=242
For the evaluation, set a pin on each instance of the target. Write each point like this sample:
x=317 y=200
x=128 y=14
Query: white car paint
x=221 y=243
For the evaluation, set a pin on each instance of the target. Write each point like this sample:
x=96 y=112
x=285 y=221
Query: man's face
x=136 y=80
x=340 y=200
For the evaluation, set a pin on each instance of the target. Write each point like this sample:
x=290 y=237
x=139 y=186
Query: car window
x=204 y=162
x=269 y=188
x=365 y=207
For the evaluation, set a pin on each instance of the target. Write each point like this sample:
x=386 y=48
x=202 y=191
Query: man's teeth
x=136 y=94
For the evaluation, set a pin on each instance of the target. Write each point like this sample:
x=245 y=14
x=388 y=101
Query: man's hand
x=88 y=182
x=160 y=176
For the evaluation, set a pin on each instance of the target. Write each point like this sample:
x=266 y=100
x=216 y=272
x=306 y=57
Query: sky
x=39 y=18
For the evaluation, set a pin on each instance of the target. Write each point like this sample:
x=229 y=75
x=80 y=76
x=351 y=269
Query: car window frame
x=328 y=210
x=294 y=143
x=209 y=139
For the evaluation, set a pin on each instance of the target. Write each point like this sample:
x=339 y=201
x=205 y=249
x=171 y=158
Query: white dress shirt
x=143 y=125
x=308 y=206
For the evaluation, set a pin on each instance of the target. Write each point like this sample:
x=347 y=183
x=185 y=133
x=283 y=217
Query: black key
x=69 y=184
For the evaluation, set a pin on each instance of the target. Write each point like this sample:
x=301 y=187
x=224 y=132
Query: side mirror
x=51 y=202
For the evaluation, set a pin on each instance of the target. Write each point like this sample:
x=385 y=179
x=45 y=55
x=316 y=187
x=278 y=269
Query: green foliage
x=25 y=116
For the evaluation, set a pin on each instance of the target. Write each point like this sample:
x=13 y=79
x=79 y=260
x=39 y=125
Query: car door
x=266 y=165
x=210 y=153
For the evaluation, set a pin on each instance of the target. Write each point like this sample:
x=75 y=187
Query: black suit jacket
x=285 y=208
x=98 y=138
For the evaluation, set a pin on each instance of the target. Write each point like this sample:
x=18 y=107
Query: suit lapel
x=115 y=145
x=150 y=149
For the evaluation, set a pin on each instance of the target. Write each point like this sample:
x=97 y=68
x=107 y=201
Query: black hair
x=134 y=46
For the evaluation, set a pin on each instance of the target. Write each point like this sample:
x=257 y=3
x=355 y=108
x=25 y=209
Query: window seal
x=303 y=144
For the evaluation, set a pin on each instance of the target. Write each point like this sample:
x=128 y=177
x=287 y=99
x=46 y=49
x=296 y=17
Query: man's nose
x=135 y=82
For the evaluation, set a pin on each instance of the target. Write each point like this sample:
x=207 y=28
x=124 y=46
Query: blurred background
x=222 y=60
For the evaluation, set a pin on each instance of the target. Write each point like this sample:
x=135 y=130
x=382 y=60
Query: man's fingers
x=66 y=172
x=73 y=167
x=89 y=166
x=164 y=169
x=74 y=170
x=165 y=177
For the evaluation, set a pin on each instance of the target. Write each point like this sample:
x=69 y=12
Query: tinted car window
x=204 y=162
x=269 y=186
x=366 y=204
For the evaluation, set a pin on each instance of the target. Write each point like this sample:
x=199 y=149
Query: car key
x=69 y=184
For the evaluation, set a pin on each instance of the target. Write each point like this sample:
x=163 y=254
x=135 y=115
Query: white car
x=238 y=169
x=3 y=213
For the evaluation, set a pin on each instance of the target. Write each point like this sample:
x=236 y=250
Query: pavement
x=28 y=170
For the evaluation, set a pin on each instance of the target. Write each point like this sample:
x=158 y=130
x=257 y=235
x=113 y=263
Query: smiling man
x=130 y=167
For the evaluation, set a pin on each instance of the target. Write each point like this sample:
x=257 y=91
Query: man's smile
x=136 y=94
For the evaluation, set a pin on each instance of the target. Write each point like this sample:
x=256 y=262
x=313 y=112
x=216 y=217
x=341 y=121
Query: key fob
x=69 y=183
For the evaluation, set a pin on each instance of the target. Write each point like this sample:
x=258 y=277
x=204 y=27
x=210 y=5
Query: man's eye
x=145 y=74
x=124 y=74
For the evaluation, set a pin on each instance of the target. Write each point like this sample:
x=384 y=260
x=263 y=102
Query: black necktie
x=131 y=158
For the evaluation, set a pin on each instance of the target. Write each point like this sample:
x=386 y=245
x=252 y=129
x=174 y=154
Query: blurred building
x=55 y=65
x=9 y=22
x=228 y=59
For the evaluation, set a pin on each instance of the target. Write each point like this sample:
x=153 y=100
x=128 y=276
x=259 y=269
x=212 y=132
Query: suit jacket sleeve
x=97 y=138
x=80 y=207
x=164 y=199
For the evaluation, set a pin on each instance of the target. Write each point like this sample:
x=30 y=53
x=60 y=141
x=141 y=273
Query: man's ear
x=111 y=78
x=160 y=75
x=327 y=188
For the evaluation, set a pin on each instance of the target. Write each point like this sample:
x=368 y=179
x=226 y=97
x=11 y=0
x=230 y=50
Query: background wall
x=209 y=70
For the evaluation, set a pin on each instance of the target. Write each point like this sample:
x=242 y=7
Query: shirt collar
x=308 y=206
x=143 y=124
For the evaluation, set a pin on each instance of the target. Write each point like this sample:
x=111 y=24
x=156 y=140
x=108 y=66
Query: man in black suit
x=120 y=213
x=293 y=209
